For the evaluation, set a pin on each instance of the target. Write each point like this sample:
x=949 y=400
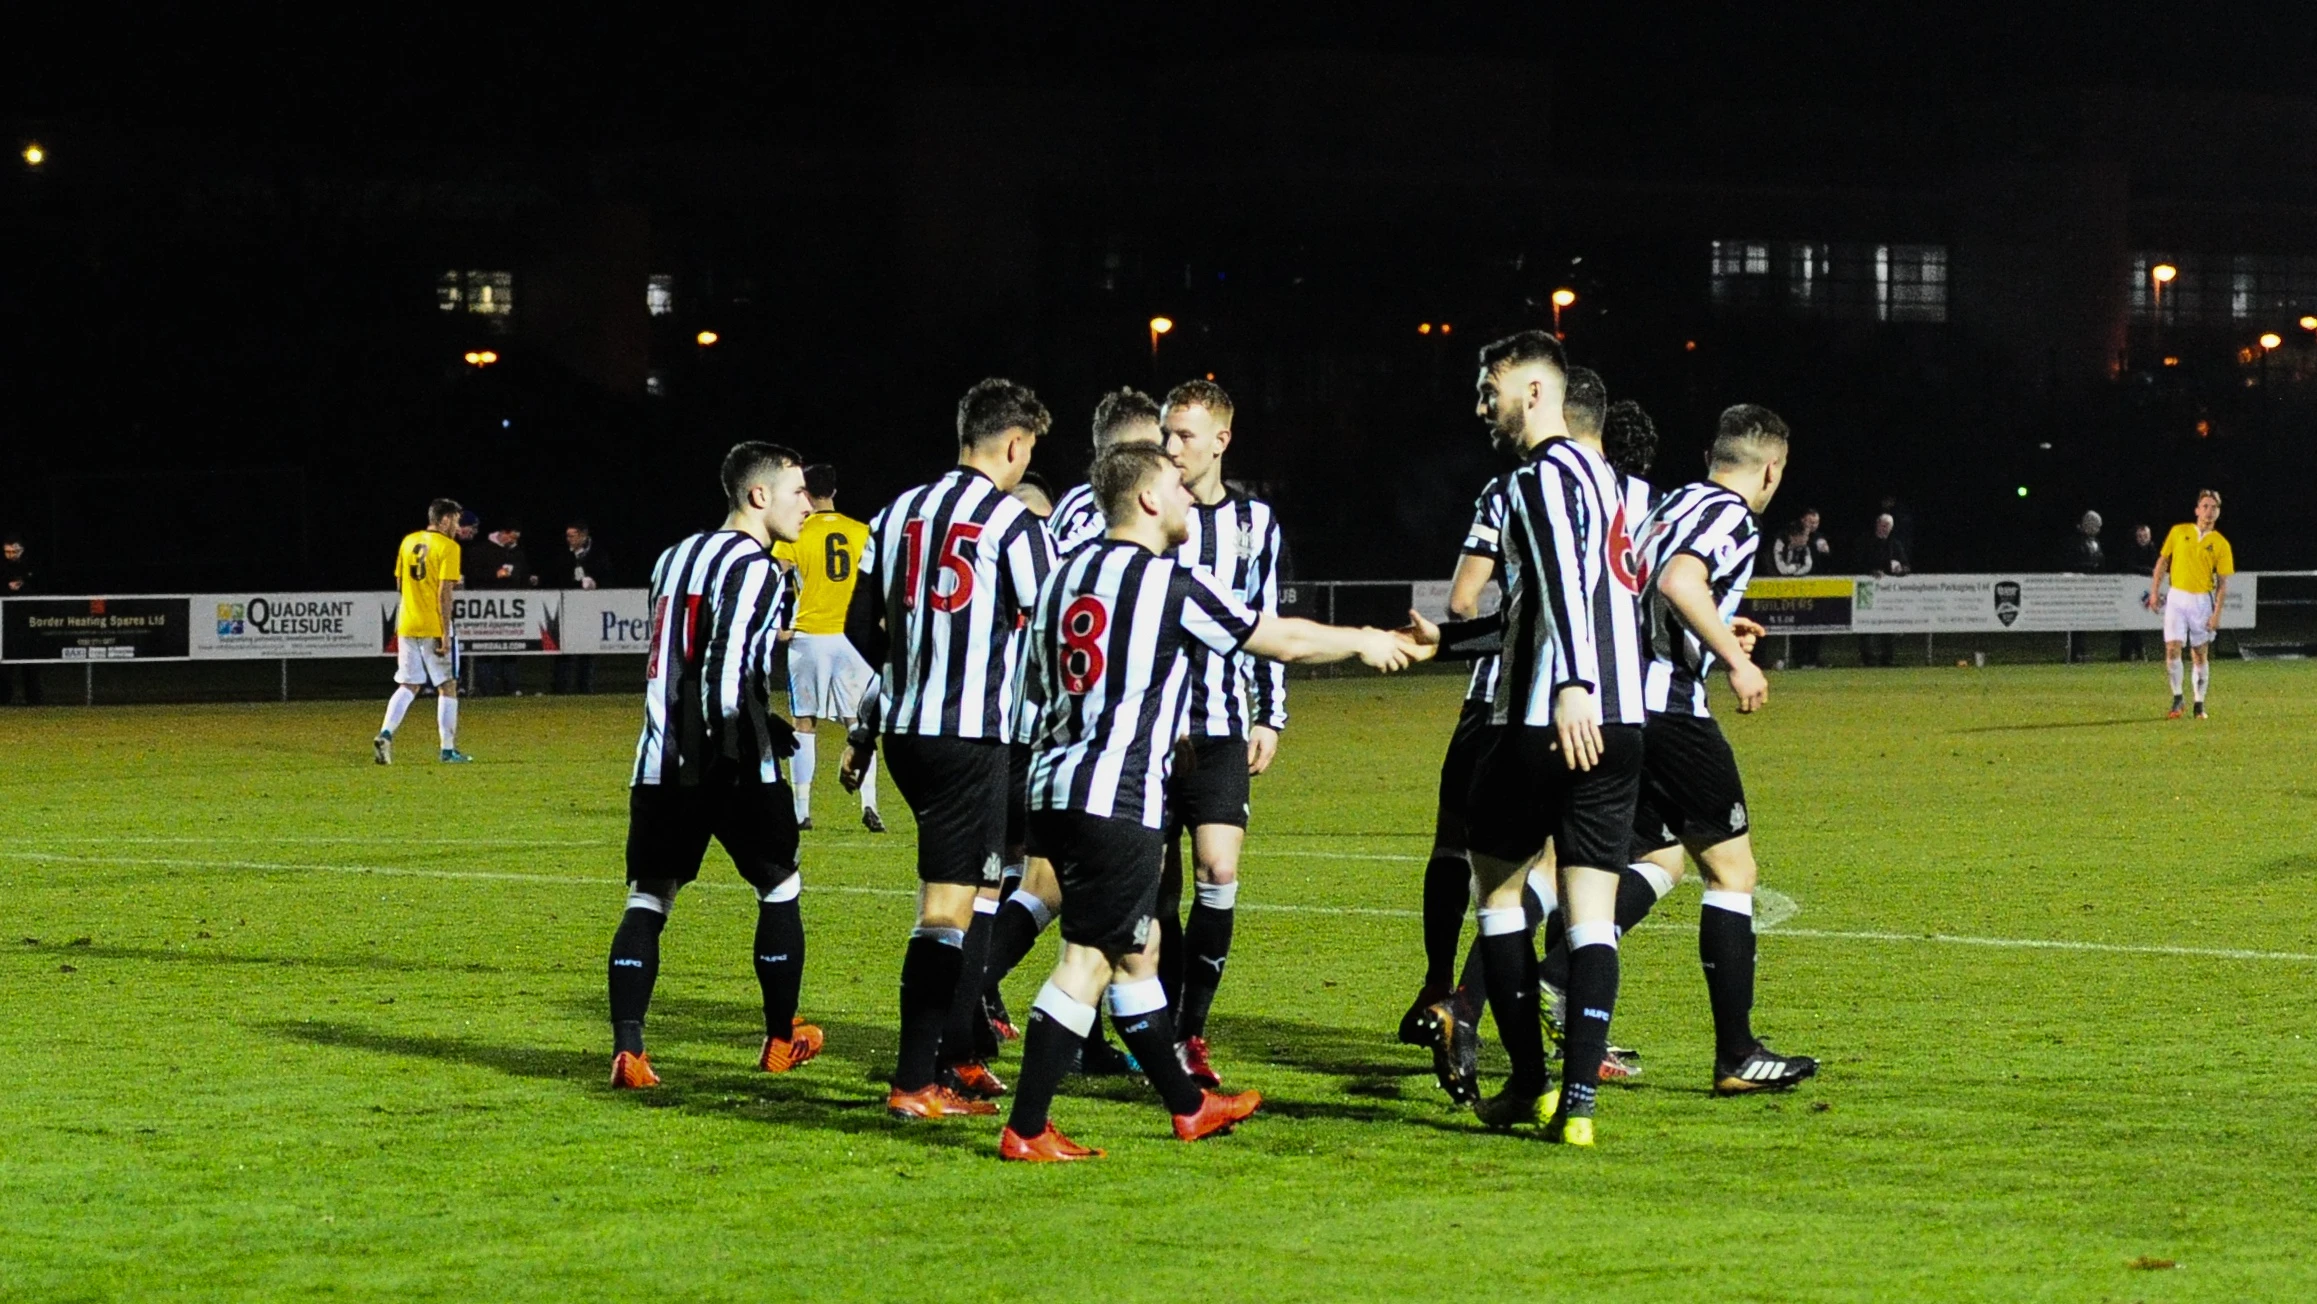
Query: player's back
x=714 y=603
x=423 y=563
x=959 y=562
x=826 y=556
x=1111 y=644
x=1713 y=524
x=1572 y=607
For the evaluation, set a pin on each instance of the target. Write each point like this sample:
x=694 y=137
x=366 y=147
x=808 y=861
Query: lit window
x=1808 y=273
x=660 y=295
x=446 y=292
x=1741 y=269
x=1911 y=282
x=489 y=294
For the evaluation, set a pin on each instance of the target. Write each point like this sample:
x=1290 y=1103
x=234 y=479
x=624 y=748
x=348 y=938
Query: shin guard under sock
x=1206 y=949
x=635 y=967
x=780 y=960
x=1447 y=898
x=1726 y=951
x=1139 y=1012
x=958 y=1042
x=1592 y=1001
x=1013 y=934
x=1511 y=967
x=1059 y=1023
x=929 y=970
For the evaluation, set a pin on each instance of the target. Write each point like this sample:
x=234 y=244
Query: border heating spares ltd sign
x=94 y=629
x=265 y=625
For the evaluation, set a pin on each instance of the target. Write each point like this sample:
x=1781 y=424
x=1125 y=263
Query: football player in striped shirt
x=1567 y=765
x=1124 y=416
x=708 y=760
x=1237 y=705
x=1112 y=640
x=1698 y=548
x=951 y=569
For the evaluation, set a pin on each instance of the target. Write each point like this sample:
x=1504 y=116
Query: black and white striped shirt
x=957 y=563
x=1714 y=525
x=1077 y=521
x=1572 y=588
x=1486 y=539
x=1238 y=542
x=1114 y=641
x=715 y=606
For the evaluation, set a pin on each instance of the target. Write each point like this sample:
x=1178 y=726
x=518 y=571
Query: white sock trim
x=1597 y=932
x=1219 y=896
x=946 y=936
x=1495 y=921
x=658 y=905
x=983 y=905
x=1659 y=881
x=1541 y=882
x=1737 y=903
x=1130 y=999
x=1065 y=1009
x=1030 y=901
x=785 y=890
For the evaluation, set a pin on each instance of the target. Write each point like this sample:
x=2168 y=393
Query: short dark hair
x=1524 y=347
x=442 y=507
x=750 y=462
x=1120 y=473
x=1202 y=393
x=993 y=407
x=1628 y=437
x=578 y=523
x=1746 y=434
x=821 y=480
x=1119 y=409
x=1585 y=402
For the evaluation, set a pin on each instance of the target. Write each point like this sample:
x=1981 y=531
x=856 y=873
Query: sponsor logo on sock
x=1591 y=1013
x=627 y=964
x=1215 y=960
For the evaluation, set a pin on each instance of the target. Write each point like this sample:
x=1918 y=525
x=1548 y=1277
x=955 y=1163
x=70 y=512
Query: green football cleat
x=453 y=756
x=1509 y=1108
x=1570 y=1130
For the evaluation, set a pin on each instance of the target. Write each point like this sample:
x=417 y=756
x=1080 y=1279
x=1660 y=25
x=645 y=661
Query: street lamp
x=1159 y=326
x=1562 y=298
x=34 y=155
x=2309 y=323
x=2270 y=339
x=706 y=338
x=2159 y=276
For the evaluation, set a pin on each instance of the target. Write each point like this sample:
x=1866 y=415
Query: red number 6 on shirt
x=953 y=560
x=1084 y=622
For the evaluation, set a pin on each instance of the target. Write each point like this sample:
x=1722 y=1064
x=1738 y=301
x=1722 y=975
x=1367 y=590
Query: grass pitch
x=284 y=1025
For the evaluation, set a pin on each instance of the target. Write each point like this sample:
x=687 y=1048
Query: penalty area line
x=2046 y=944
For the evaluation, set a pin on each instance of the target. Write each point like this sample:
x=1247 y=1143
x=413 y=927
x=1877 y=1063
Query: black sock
x=958 y=1042
x=1447 y=899
x=929 y=970
x=1592 y=999
x=1013 y=935
x=1472 y=983
x=1207 y=948
x=1151 y=1039
x=1635 y=899
x=1170 y=924
x=1511 y=967
x=1049 y=1048
x=1726 y=950
x=780 y=963
x=635 y=966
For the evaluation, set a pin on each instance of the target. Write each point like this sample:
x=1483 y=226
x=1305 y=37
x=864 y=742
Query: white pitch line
x=396 y=871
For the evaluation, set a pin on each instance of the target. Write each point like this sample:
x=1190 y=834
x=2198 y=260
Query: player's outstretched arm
x=1685 y=584
x=1308 y=643
x=1473 y=573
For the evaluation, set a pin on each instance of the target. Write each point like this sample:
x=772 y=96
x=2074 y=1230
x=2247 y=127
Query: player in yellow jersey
x=426 y=569
x=825 y=675
x=2199 y=562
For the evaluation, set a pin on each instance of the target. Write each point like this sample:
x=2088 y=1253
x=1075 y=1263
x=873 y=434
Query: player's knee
x=655 y=895
x=1218 y=875
x=1729 y=867
x=788 y=889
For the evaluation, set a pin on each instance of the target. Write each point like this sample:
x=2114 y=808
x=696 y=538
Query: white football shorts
x=420 y=661
x=2184 y=617
x=826 y=677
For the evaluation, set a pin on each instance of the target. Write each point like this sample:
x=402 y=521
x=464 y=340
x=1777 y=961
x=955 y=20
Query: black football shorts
x=1210 y=786
x=1465 y=748
x=1690 y=790
x=957 y=788
x=1109 y=871
x=669 y=826
x=1523 y=793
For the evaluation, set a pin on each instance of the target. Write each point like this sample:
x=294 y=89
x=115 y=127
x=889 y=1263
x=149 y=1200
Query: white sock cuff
x=1219 y=896
x=1498 y=920
x=785 y=890
x=1597 y=932
x=1659 y=881
x=946 y=936
x=1130 y=999
x=1737 y=903
x=1013 y=869
x=983 y=905
x=1541 y=882
x=1065 y=1009
x=658 y=905
x=1030 y=901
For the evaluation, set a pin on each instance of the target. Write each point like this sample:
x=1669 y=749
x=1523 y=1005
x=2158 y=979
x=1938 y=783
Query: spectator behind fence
x=16 y=582
x=2082 y=555
x=468 y=527
x=499 y=563
x=585 y=565
x=1881 y=554
x=1794 y=556
x=2139 y=559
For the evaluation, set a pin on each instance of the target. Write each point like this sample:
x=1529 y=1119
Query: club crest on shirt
x=1246 y=542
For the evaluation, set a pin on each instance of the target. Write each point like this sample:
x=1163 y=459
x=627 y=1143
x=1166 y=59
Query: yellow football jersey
x=422 y=565
x=826 y=556
x=2197 y=560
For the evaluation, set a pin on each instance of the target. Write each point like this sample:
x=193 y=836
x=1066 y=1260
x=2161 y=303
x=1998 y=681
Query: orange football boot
x=1048 y=1147
x=1217 y=1114
x=934 y=1101
x=632 y=1070
x=1192 y=1051
x=973 y=1079
x=782 y=1054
